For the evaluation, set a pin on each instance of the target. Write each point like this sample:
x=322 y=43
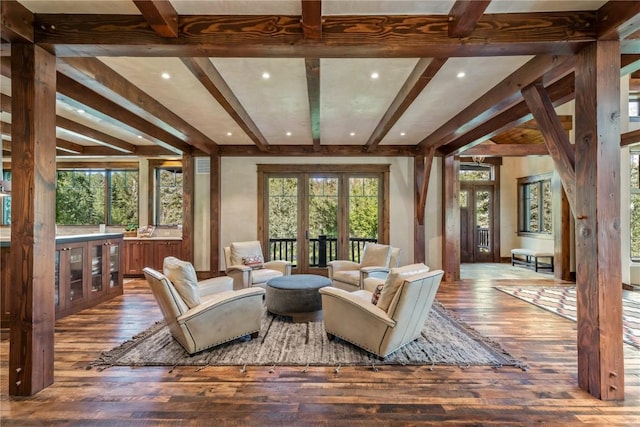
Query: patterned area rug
x=562 y=300
x=445 y=340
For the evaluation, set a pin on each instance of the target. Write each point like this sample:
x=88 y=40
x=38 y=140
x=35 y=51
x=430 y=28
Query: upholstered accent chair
x=396 y=319
x=244 y=262
x=376 y=261
x=210 y=319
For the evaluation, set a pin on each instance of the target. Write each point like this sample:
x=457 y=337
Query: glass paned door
x=363 y=214
x=282 y=219
x=322 y=220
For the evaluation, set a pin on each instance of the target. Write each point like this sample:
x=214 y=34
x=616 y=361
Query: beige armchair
x=244 y=262
x=396 y=320
x=376 y=262
x=215 y=319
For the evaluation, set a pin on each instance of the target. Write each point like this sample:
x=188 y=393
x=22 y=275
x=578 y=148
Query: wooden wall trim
x=451 y=219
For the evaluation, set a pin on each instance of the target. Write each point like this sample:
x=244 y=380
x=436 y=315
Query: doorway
x=313 y=214
x=479 y=219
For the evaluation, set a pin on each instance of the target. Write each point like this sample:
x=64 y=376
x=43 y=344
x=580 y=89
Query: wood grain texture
x=160 y=15
x=215 y=202
x=419 y=251
x=451 y=219
x=312 y=19
x=545 y=394
x=598 y=258
x=464 y=16
x=312 y=67
x=17 y=22
x=33 y=176
x=419 y=36
x=188 y=206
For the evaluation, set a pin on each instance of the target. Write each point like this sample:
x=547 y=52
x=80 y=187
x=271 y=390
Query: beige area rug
x=445 y=340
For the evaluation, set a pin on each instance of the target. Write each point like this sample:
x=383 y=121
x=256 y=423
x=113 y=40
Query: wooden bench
x=530 y=258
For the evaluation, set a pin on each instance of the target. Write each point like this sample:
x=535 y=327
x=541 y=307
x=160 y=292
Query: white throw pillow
x=240 y=250
x=184 y=279
x=395 y=279
x=375 y=255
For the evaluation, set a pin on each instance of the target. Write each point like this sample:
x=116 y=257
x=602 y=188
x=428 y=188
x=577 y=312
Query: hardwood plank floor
x=547 y=393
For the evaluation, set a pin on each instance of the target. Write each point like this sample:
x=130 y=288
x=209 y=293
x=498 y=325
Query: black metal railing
x=321 y=249
x=482 y=238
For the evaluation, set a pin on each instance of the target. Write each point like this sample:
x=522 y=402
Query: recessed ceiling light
x=140 y=136
x=288 y=133
x=80 y=110
x=229 y=134
x=461 y=74
x=402 y=134
x=166 y=75
x=374 y=75
x=352 y=133
x=266 y=75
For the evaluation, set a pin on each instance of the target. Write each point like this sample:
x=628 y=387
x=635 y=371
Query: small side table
x=296 y=296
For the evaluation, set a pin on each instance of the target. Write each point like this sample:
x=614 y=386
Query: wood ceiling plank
x=109 y=109
x=312 y=66
x=209 y=76
x=312 y=19
x=16 y=22
x=490 y=149
x=103 y=80
x=360 y=36
x=560 y=92
x=424 y=71
x=618 y=19
x=555 y=138
x=464 y=16
x=501 y=97
x=161 y=15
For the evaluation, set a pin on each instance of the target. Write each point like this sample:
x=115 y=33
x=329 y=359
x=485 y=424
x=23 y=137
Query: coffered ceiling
x=344 y=77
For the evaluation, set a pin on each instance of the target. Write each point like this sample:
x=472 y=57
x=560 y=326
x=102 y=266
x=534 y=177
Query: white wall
x=239 y=210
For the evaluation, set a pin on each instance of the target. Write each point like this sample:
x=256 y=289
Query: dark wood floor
x=546 y=394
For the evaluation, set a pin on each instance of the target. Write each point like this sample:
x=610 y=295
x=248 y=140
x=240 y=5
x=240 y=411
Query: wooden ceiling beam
x=5 y=129
x=489 y=149
x=122 y=147
x=160 y=15
x=312 y=19
x=501 y=97
x=418 y=36
x=113 y=86
x=629 y=138
x=465 y=15
x=618 y=19
x=16 y=22
x=109 y=110
x=312 y=66
x=560 y=92
x=555 y=138
x=629 y=64
x=423 y=185
x=209 y=76
x=424 y=71
x=310 y=151
x=73 y=148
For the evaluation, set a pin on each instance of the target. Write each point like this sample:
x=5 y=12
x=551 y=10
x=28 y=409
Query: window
x=634 y=107
x=475 y=172
x=535 y=205
x=5 y=200
x=168 y=196
x=634 y=180
x=97 y=196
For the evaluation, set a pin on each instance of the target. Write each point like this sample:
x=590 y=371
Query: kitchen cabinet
x=149 y=252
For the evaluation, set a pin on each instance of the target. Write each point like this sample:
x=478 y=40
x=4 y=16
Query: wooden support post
x=451 y=220
x=419 y=254
x=33 y=176
x=214 y=215
x=598 y=258
x=561 y=230
x=188 y=205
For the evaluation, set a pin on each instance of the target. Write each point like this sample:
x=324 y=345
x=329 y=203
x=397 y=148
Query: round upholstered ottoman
x=296 y=296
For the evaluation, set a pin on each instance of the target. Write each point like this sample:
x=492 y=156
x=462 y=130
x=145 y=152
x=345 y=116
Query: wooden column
x=451 y=219
x=214 y=215
x=598 y=271
x=188 y=208
x=561 y=230
x=33 y=176
x=419 y=254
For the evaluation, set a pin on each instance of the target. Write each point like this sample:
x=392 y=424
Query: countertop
x=73 y=238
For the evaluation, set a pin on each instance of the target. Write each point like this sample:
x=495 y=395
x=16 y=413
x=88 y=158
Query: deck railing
x=482 y=238
x=321 y=249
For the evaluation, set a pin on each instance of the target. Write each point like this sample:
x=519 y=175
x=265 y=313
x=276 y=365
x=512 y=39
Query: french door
x=477 y=232
x=313 y=214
